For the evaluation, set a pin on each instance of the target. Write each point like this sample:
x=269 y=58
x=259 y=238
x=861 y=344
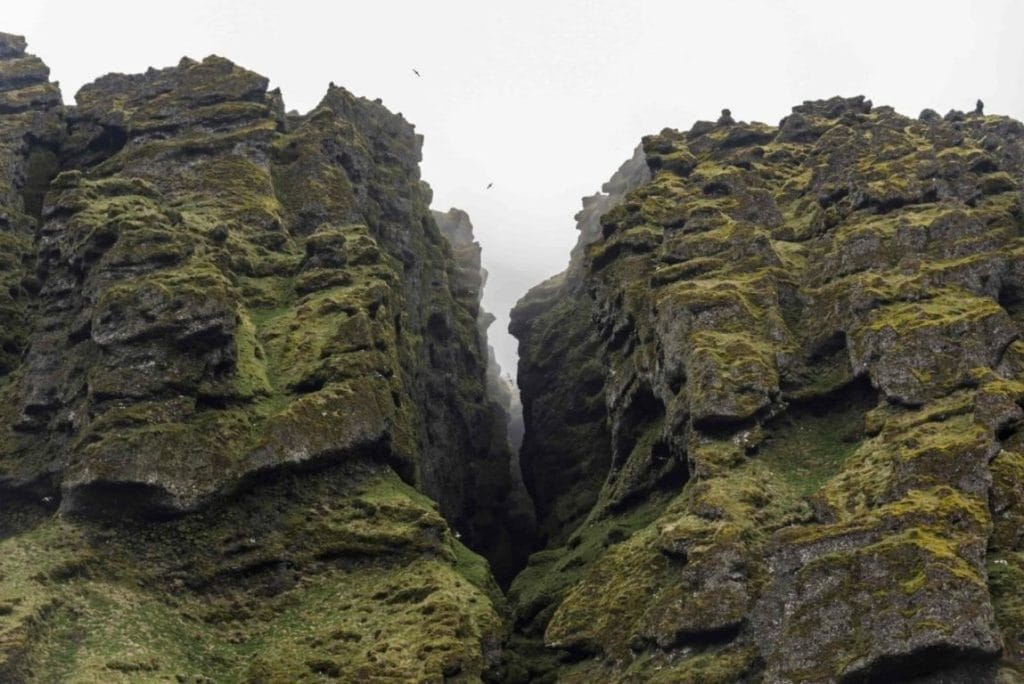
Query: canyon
x=251 y=429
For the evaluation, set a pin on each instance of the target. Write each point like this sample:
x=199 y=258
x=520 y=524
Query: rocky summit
x=251 y=429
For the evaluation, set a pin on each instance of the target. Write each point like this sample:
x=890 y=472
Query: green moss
x=14 y=314
x=250 y=368
x=640 y=470
x=601 y=613
x=810 y=444
x=540 y=587
x=155 y=152
x=636 y=240
x=712 y=665
x=215 y=595
x=746 y=503
x=945 y=308
x=888 y=460
x=266 y=297
x=315 y=342
x=307 y=185
x=918 y=519
x=240 y=189
x=214 y=116
x=893 y=565
x=623 y=592
x=732 y=375
x=22 y=70
x=36 y=96
x=1005 y=574
x=401 y=623
x=750 y=330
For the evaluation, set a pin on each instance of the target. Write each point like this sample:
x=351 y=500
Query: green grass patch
x=810 y=443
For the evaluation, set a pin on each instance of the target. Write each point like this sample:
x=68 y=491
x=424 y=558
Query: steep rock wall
x=506 y=552
x=772 y=416
x=239 y=361
x=457 y=228
x=772 y=408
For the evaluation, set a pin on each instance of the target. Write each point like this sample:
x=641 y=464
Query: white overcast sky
x=546 y=98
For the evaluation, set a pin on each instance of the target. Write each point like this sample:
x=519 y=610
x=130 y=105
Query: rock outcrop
x=773 y=410
x=240 y=364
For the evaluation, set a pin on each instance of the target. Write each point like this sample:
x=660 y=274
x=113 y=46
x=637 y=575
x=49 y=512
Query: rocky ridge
x=773 y=411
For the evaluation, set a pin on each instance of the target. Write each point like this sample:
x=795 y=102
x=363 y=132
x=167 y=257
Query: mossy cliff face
x=31 y=132
x=458 y=230
x=237 y=358
x=773 y=410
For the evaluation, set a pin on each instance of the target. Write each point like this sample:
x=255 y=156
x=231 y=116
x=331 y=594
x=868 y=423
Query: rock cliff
x=240 y=365
x=773 y=409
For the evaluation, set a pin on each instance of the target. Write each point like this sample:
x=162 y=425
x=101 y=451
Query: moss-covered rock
x=349 y=575
x=30 y=131
x=799 y=345
x=236 y=356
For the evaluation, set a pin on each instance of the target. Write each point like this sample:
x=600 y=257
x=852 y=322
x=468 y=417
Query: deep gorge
x=251 y=429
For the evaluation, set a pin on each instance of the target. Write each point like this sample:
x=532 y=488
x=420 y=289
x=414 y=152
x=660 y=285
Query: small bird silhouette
x=490 y=185
x=415 y=72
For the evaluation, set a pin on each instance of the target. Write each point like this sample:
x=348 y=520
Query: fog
x=545 y=99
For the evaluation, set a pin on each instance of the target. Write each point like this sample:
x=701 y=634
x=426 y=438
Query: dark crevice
x=113 y=500
x=720 y=427
x=826 y=369
x=26 y=506
x=644 y=410
x=1011 y=298
x=711 y=637
x=857 y=393
x=938 y=663
x=41 y=166
x=716 y=189
x=109 y=141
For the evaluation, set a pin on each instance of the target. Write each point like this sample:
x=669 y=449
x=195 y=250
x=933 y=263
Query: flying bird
x=489 y=185
x=415 y=72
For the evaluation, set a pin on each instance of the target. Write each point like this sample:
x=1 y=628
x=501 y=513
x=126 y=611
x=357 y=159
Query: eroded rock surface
x=773 y=409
